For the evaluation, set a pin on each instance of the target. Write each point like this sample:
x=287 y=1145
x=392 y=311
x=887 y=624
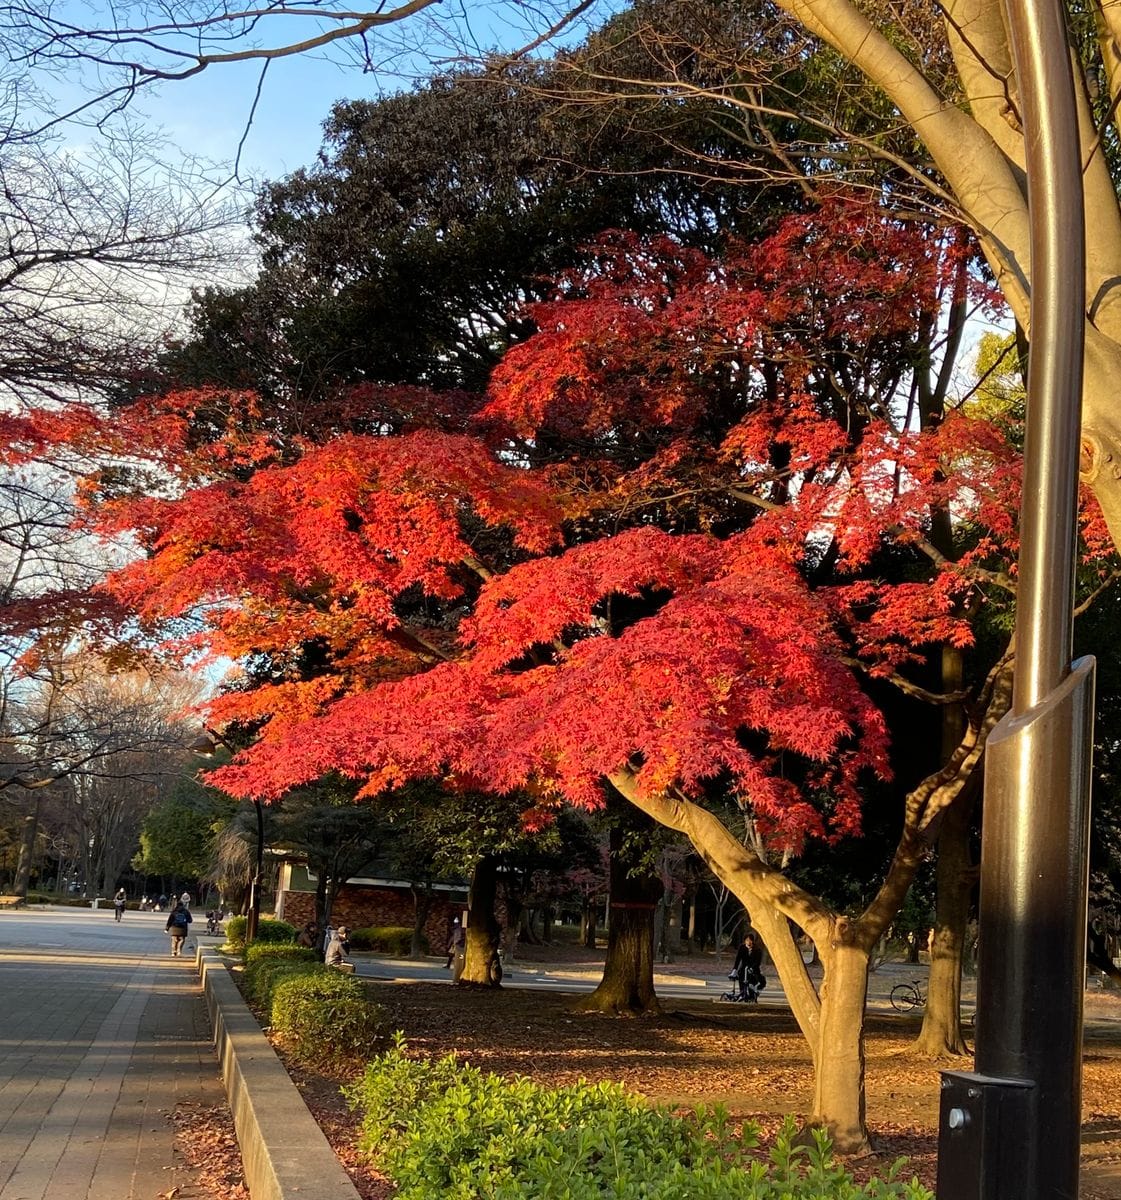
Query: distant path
x=102 y=1034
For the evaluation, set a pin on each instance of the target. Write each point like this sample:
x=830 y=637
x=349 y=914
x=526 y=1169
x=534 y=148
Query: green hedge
x=386 y=939
x=268 y=930
x=441 y=1129
x=266 y=963
x=324 y=1018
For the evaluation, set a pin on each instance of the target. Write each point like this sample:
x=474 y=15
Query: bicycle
x=906 y=997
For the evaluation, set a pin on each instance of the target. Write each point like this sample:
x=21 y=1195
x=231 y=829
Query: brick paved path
x=96 y=1050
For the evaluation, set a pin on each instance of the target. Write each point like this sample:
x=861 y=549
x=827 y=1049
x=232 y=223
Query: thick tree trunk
x=482 y=926
x=27 y=849
x=941 y=1035
x=838 y=1105
x=627 y=986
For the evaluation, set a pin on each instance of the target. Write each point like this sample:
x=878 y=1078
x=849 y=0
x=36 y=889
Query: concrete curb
x=283 y=1150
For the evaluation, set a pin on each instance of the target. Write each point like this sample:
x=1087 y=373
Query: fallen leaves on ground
x=205 y=1137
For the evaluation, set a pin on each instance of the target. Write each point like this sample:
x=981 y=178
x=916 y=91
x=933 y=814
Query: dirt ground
x=752 y=1060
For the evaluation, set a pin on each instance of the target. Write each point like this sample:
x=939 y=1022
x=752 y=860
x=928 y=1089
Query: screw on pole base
x=984 y=1152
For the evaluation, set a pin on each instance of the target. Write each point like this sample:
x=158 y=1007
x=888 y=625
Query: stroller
x=748 y=982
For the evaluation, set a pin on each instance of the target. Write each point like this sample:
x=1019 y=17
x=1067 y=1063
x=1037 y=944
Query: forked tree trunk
x=627 y=986
x=482 y=926
x=941 y=1036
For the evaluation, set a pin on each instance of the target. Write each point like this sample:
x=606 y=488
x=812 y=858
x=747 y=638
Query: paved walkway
x=96 y=1051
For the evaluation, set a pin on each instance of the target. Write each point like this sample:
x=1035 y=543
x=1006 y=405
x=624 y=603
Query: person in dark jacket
x=746 y=968
x=178 y=925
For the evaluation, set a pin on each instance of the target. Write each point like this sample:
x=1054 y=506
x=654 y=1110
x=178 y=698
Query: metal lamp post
x=205 y=746
x=1011 y=1129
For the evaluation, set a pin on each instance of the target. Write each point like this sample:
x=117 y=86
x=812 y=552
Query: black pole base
x=984 y=1145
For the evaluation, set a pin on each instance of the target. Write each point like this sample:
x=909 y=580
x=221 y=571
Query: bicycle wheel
x=905 y=997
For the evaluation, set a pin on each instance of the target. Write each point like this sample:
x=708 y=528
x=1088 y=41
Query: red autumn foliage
x=607 y=563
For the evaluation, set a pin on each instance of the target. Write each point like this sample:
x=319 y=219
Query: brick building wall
x=357 y=906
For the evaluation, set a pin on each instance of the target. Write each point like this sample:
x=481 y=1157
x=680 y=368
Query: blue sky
x=205 y=116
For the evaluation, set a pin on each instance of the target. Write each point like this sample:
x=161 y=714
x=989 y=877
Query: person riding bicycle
x=745 y=970
x=119 y=904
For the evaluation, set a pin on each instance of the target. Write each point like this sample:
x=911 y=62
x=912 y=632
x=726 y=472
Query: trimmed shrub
x=441 y=1129
x=396 y=940
x=268 y=930
x=266 y=963
x=324 y=1017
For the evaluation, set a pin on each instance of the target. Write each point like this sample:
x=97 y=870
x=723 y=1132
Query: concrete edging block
x=283 y=1150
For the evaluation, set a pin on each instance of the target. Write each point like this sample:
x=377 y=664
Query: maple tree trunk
x=627 y=986
x=838 y=1105
x=482 y=926
x=941 y=1035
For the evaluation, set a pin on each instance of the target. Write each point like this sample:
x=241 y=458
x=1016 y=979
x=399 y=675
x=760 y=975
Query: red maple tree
x=649 y=560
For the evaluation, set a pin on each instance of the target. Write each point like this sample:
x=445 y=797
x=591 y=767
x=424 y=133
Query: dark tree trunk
x=422 y=907
x=482 y=926
x=627 y=986
x=588 y=925
x=515 y=909
x=27 y=849
x=323 y=908
x=526 y=931
x=941 y=1035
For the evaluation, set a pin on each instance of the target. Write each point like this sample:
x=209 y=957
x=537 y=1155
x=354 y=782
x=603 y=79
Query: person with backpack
x=178 y=925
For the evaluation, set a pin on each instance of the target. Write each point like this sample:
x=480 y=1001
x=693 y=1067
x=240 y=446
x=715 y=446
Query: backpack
x=179 y=919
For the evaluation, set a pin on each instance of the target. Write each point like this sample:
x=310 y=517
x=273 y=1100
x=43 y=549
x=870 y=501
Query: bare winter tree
x=121 y=50
x=99 y=743
x=98 y=251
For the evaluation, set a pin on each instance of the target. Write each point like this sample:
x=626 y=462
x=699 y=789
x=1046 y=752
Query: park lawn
x=752 y=1060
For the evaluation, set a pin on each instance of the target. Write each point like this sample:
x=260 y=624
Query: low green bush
x=268 y=930
x=441 y=1129
x=266 y=963
x=324 y=1017
x=386 y=939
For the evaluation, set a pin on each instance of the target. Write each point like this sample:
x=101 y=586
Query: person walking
x=178 y=925
x=185 y=900
x=119 y=904
x=457 y=942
